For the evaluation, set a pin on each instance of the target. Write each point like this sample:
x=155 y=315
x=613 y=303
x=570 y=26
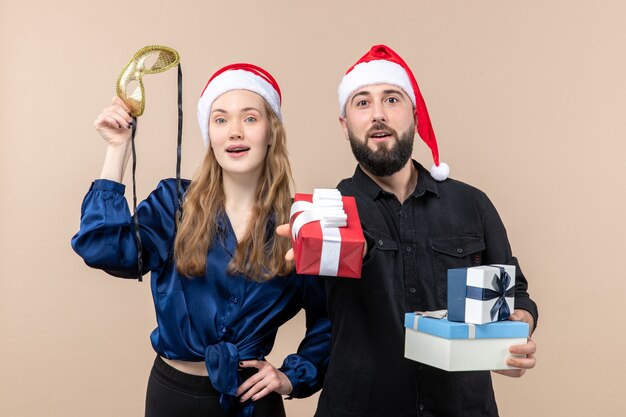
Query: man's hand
x=284 y=230
x=526 y=317
x=266 y=380
x=527 y=349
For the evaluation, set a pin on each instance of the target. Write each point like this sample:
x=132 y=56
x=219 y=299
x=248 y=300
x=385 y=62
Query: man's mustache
x=380 y=127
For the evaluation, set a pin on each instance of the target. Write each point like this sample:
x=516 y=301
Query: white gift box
x=481 y=294
x=455 y=346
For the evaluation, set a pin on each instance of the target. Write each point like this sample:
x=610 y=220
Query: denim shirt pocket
x=454 y=252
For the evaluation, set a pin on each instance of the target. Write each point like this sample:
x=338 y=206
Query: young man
x=418 y=224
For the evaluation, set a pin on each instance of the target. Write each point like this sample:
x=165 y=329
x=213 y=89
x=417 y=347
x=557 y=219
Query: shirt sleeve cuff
x=108 y=185
x=291 y=375
x=304 y=376
x=371 y=243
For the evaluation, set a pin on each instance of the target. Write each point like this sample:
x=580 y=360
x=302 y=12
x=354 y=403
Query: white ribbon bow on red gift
x=327 y=208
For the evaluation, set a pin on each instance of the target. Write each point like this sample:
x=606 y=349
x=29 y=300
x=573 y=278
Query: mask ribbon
x=136 y=68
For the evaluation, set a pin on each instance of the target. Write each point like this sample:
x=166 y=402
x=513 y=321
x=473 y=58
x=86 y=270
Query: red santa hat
x=239 y=76
x=381 y=65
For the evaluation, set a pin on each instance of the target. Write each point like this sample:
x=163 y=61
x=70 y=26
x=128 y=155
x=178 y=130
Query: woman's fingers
x=250 y=382
x=266 y=380
x=119 y=102
x=108 y=120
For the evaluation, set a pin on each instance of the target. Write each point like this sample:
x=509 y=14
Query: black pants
x=172 y=393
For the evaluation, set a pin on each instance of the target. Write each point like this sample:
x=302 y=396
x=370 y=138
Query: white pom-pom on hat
x=440 y=172
x=240 y=76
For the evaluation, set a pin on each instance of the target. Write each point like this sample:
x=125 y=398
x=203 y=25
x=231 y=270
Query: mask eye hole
x=149 y=61
x=133 y=90
x=132 y=94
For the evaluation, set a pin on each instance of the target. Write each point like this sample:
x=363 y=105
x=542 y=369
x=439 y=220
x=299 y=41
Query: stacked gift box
x=477 y=333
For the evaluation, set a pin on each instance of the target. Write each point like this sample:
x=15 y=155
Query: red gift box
x=319 y=247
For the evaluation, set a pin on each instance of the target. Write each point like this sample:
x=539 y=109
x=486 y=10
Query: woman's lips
x=237 y=151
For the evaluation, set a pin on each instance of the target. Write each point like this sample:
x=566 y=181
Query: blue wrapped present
x=481 y=294
x=454 y=346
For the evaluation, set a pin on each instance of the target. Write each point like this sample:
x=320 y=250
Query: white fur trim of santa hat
x=236 y=79
x=370 y=73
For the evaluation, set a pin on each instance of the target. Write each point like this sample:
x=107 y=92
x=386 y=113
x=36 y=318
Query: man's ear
x=344 y=126
x=415 y=118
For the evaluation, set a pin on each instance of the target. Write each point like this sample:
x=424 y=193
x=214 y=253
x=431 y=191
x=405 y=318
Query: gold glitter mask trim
x=148 y=60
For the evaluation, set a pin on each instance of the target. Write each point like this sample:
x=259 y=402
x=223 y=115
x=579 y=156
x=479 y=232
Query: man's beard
x=383 y=162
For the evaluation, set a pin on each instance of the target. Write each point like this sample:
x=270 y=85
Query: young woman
x=220 y=283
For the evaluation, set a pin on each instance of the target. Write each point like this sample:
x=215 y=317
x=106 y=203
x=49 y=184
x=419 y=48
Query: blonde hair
x=260 y=254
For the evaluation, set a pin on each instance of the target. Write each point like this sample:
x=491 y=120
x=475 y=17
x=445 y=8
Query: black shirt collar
x=425 y=182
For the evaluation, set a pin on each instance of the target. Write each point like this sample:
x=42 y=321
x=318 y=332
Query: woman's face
x=239 y=129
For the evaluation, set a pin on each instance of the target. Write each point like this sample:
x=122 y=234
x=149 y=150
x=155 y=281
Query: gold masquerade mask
x=148 y=60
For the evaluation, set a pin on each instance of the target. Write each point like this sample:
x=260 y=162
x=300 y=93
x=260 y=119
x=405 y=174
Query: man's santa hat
x=237 y=77
x=381 y=65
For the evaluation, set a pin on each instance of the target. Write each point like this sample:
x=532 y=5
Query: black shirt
x=441 y=225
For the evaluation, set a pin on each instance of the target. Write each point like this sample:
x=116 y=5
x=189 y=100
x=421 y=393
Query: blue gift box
x=454 y=346
x=454 y=330
x=481 y=294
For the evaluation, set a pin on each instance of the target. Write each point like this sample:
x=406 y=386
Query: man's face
x=380 y=125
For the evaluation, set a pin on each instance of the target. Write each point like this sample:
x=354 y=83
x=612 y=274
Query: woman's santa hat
x=381 y=65
x=237 y=77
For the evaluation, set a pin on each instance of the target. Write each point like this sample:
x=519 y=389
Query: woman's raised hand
x=114 y=123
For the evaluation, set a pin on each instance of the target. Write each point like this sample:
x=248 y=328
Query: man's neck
x=401 y=184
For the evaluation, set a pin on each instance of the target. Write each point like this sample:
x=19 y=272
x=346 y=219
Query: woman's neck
x=240 y=197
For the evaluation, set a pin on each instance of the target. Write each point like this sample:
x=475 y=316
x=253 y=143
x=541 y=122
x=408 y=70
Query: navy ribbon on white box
x=501 y=308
